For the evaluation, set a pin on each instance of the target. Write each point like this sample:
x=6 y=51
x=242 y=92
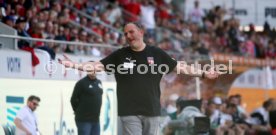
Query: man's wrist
x=75 y=65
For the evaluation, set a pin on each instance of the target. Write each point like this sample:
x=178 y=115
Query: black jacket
x=86 y=99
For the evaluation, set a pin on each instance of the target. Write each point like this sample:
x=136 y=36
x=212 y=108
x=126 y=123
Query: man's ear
x=28 y=102
x=142 y=31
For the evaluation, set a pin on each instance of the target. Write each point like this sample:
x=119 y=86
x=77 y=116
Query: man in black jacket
x=86 y=102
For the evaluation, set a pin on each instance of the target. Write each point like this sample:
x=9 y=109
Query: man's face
x=231 y=110
x=33 y=104
x=178 y=109
x=211 y=108
x=10 y=23
x=22 y=25
x=133 y=34
x=235 y=101
x=92 y=75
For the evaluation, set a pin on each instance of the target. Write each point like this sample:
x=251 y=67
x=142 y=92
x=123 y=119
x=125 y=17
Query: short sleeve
x=22 y=113
x=167 y=60
x=111 y=60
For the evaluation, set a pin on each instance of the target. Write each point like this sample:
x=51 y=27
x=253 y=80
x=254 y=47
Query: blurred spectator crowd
x=166 y=25
x=227 y=116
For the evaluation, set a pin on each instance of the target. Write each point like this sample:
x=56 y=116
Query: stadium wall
x=255 y=86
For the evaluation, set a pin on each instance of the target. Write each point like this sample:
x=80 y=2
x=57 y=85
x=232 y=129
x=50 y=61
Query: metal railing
x=59 y=42
x=179 y=56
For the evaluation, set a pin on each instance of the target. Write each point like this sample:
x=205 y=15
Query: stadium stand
x=197 y=35
x=102 y=21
